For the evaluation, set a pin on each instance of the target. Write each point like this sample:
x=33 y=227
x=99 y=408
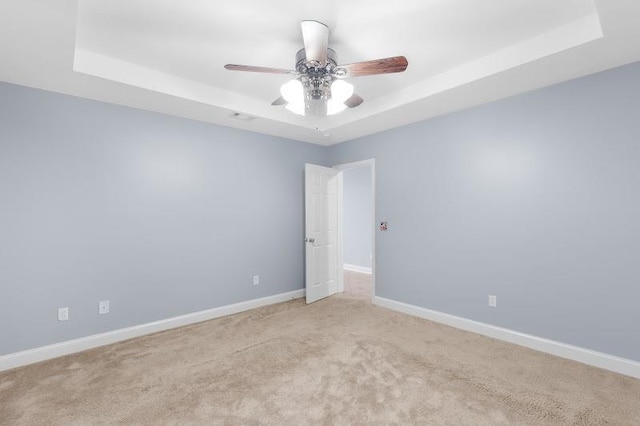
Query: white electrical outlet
x=63 y=314
x=493 y=301
x=256 y=279
x=103 y=307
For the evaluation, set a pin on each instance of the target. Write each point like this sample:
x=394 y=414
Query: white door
x=322 y=186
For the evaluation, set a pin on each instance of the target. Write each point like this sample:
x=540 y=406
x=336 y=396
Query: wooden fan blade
x=316 y=41
x=353 y=101
x=279 y=101
x=377 y=66
x=250 y=68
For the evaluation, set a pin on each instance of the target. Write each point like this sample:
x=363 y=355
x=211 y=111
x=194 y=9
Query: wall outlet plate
x=256 y=279
x=63 y=314
x=103 y=307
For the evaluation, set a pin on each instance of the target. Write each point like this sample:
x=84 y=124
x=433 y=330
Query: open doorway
x=357 y=220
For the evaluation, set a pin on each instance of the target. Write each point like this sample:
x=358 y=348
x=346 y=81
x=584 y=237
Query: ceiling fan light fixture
x=341 y=91
x=318 y=88
x=293 y=92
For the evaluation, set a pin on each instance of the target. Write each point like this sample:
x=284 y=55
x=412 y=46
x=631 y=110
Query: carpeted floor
x=338 y=361
x=358 y=285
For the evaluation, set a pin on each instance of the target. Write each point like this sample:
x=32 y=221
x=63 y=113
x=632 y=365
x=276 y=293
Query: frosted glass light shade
x=341 y=90
x=292 y=91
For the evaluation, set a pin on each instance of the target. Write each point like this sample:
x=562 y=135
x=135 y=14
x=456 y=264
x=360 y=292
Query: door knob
x=309 y=240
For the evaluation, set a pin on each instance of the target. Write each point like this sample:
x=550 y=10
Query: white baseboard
x=563 y=350
x=356 y=268
x=43 y=353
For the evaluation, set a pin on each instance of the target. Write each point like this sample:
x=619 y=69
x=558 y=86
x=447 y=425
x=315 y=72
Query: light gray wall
x=357 y=213
x=535 y=199
x=160 y=215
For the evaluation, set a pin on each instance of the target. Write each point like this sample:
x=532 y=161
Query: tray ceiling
x=168 y=56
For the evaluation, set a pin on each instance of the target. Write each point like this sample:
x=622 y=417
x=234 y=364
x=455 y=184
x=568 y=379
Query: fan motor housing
x=315 y=78
x=301 y=60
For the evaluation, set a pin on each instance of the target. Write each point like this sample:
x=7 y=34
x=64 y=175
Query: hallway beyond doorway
x=358 y=284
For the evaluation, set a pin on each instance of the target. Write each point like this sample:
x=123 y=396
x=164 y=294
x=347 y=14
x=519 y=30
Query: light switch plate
x=493 y=301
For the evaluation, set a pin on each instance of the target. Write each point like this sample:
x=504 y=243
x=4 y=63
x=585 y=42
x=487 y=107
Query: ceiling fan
x=318 y=87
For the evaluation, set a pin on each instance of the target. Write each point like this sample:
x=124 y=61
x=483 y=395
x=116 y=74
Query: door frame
x=352 y=165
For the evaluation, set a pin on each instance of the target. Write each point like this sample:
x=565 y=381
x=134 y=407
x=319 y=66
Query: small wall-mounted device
x=384 y=226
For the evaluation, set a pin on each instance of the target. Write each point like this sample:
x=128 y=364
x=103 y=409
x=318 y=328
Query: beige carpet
x=358 y=285
x=338 y=361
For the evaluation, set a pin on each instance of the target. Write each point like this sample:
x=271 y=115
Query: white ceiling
x=168 y=56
